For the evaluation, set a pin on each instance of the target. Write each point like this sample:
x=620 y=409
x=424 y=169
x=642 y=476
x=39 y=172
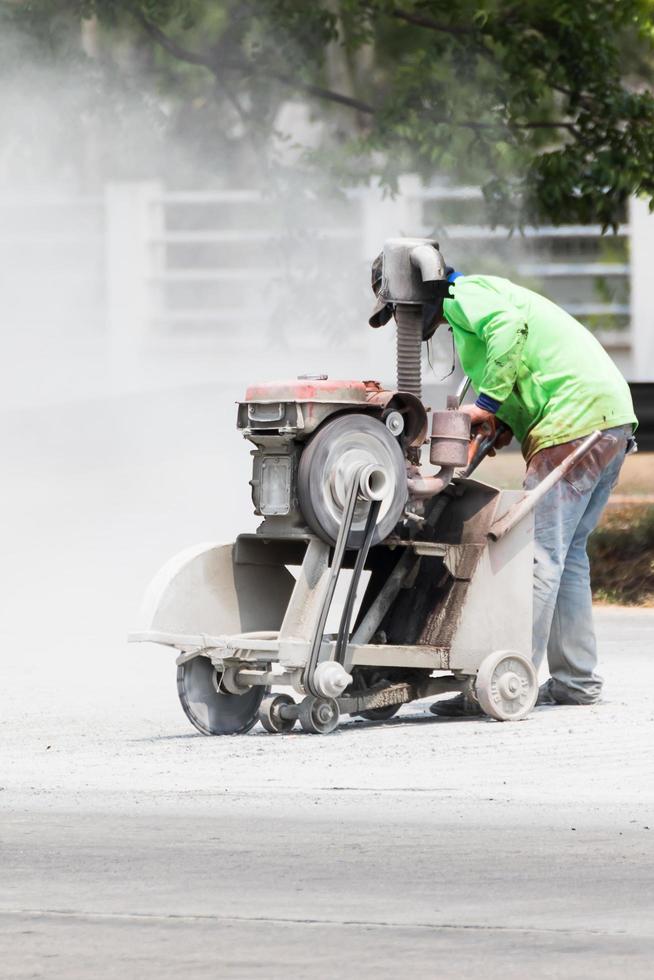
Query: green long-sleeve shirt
x=554 y=379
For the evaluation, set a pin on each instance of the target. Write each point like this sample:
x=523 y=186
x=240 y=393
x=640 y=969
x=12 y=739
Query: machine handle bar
x=527 y=503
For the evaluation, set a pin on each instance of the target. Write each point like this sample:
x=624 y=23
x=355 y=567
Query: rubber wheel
x=319 y=716
x=269 y=714
x=210 y=710
x=506 y=686
x=380 y=714
x=353 y=437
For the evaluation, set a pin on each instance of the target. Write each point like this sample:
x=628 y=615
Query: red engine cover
x=308 y=390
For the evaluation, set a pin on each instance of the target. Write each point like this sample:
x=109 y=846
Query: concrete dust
x=103 y=738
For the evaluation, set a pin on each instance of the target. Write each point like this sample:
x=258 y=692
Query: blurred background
x=190 y=198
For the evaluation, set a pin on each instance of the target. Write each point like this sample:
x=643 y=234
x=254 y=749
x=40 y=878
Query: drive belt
x=334 y=572
x=342 y=640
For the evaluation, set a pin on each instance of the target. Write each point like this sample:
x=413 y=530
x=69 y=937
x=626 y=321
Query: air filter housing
x=410 y=267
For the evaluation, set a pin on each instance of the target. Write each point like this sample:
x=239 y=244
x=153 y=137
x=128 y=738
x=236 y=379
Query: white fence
x=146 y=266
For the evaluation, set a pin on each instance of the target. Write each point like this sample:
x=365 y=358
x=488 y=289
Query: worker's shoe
x=548 y=693
x=545 y=695
x=461 y=706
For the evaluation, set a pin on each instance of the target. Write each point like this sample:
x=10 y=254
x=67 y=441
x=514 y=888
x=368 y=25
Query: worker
x=539 y=371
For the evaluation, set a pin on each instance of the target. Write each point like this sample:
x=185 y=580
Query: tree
x=545 y=103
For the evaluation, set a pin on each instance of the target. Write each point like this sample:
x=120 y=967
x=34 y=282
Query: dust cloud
x=118 y=421
x=144 y=282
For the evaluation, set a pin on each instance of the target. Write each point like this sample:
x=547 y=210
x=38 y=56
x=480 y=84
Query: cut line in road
x=293 y=921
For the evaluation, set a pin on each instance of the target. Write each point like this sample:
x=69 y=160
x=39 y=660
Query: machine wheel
x=380 y=714
x=506 y=686
x=330 y=456
x=318 y=715
x=211 y=710
x=269 y=714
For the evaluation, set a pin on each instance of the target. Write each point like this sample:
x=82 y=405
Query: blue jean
x=563 y=612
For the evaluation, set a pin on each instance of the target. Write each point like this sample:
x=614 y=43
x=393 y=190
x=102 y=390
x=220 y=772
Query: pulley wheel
x=318 y=715
x=270 y=717
x=331 y=456
x=211 y=710
x=506 y=686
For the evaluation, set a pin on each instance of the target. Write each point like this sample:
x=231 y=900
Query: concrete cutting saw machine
x=370 y=582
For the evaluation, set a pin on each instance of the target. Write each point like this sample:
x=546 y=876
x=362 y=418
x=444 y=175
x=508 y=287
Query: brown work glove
x=504 y=438
x=488 y=428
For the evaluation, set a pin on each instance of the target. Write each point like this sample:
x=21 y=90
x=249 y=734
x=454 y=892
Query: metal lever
x=527 y=503
x=462 y=390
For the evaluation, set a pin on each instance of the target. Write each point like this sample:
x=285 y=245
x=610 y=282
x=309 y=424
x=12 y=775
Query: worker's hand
x=504 y=437
x=482 y=425
x=478 y=415
x=500 y=430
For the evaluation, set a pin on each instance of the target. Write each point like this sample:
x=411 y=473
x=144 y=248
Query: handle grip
x=481 y=446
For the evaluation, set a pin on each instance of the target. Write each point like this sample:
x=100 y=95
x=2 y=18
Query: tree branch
x=417 y=20
x=474 y=125
x=545 y=124
x=177 y=50
x=323 y=93
x=433 y=25
x=217 y=63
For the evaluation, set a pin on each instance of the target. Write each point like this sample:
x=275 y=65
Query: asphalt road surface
x=132 y=847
